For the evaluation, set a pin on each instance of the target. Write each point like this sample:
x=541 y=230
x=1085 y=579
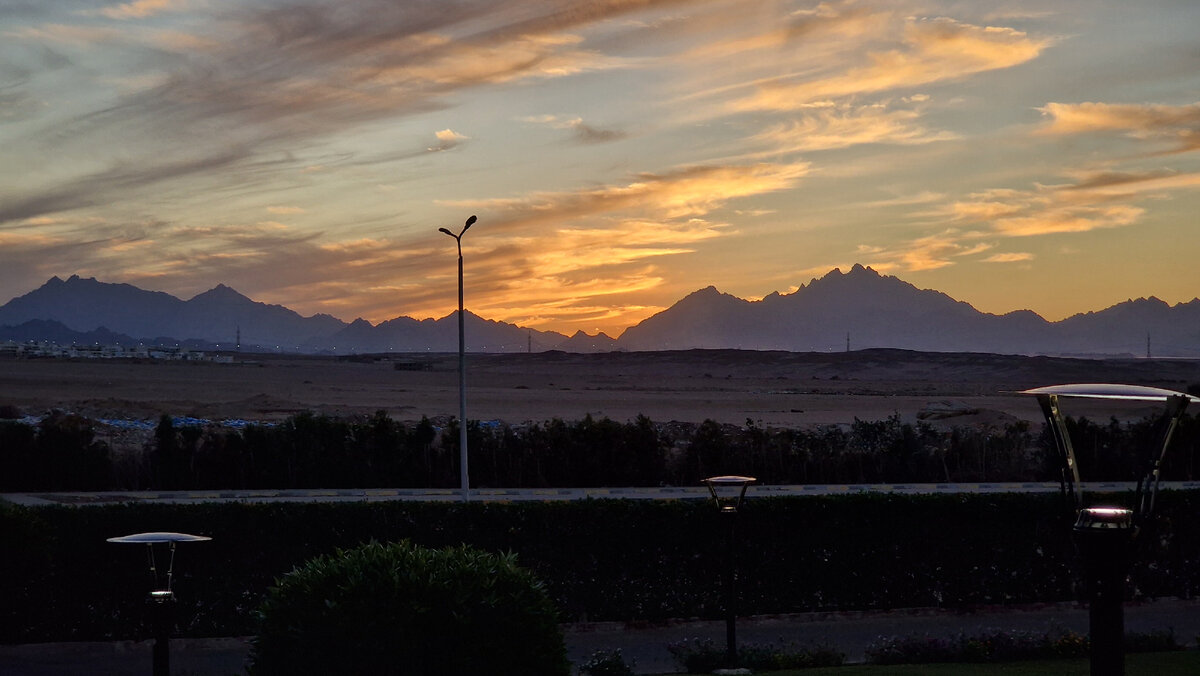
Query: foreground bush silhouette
x=402 y=609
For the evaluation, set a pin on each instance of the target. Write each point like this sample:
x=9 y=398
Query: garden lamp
x=161 y=594
x=728 y=493
x=1104 y=535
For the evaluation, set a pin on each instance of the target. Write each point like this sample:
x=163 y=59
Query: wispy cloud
x=930 y=51
x=136 y=10
x=1015 y=257
x=582 y=132
x=692 y=191
x=263 y=80
x=832 y=126
x=1095 y=200
x=1177 y=125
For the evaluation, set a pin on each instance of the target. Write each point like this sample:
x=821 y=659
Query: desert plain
x=772 y=389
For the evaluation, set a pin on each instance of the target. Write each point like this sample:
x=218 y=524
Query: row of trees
x=62 y=452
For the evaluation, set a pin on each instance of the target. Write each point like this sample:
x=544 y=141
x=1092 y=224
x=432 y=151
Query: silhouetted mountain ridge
x=863 y=309
x=857 y=309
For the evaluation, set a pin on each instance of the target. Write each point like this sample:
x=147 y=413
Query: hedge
x=600 y=559
x=68 y=452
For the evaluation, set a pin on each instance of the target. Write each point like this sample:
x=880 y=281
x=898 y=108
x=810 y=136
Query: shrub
x=402 y=609
x=1153 y=641
x=606 y=663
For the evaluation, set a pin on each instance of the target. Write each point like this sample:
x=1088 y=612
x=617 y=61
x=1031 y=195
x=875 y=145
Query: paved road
x=544 y=494
x=646 y=644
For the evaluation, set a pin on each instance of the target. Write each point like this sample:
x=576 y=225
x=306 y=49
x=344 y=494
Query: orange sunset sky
x=1039 y=154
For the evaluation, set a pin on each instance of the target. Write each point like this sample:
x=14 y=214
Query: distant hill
x=221 y=316
x=47 y=330
x=862 y=309
x=216 y=316
x=854 y=310
x=405 y=334
x=582 y=342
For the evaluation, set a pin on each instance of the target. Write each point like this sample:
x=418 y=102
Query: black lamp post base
x=1106 y=550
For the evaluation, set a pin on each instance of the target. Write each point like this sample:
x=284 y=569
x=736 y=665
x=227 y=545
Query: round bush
x=402 y=609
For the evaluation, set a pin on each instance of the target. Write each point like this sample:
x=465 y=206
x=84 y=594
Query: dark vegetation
x=454 y=610
x=65 y=452
x=599 y=559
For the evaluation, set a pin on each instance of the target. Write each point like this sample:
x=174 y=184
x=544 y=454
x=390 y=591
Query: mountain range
x=853 y=310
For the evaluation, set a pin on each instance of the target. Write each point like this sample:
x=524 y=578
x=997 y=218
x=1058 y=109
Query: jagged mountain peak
x=220 y=293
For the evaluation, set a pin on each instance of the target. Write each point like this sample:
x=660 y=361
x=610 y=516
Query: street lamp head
x=448 y=232
x=160 y=594
x=151 y=538
x=729 y=491
x=1148 y=473
x=469 y=223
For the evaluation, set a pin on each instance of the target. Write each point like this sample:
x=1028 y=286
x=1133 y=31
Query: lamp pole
x=462 y=369
x=728 y=493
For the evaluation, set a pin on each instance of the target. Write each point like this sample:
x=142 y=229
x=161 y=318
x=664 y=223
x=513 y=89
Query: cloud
x=447 y=139
x=583 y=132
x=930 y=51
x=1095 y=200
x=601 y=247
x=1179 y=125
x=923 y=197
x=1009 y=258
x=136 y=10
x=266 y=80
x=692 y=191
x=844 y=125
x=106 y=185
x=284 y=210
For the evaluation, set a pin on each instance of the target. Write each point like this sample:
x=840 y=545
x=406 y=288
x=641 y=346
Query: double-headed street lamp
x=462 y=368
x=1105 y=535
x=728 y=493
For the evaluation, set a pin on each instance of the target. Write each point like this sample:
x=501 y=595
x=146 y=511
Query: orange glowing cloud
x=841 y=126
x=932 y=50
x=1093 y=201
x=1179 y=124
x=688 y=192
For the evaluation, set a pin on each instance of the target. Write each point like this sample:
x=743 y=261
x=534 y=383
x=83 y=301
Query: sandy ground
x=770 y=388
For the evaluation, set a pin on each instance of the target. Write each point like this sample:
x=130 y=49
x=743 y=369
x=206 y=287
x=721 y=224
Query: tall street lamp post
x=462 y=368
x=161 y=598
x=728 y=493
x=1105 y=536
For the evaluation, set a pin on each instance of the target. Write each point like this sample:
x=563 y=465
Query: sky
x=619 y=154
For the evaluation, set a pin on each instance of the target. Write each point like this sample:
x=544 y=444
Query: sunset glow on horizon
x=619 y=154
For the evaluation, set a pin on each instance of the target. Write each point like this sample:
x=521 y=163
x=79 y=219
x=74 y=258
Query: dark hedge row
x=310 y=451
x=600 y=559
